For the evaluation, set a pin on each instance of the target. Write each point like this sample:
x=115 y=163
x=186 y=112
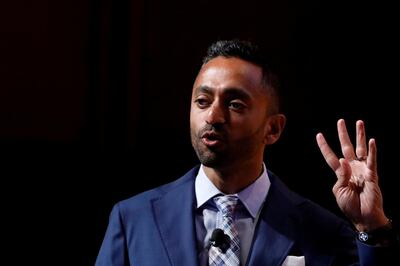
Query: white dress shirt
x=246 y=216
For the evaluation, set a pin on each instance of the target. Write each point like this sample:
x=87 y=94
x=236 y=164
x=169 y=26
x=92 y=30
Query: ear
x=273 y=128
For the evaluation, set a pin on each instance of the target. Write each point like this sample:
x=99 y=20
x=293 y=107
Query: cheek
x=196 y=116
x=240 y=129
x=248 y=128
x=194 y=120
x=191 y=115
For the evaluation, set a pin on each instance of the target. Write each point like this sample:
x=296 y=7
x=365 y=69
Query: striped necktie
x=231 y=256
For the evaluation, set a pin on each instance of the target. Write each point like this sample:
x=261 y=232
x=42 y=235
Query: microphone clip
x=220 y=240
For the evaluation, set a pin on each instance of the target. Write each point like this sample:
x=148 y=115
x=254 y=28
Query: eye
x=238 y=106
x=202 y=102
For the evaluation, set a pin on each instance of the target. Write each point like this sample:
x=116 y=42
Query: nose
x=216 y=114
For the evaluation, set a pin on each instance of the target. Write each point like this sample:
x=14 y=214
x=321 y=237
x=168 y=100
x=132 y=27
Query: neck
x=234 y=178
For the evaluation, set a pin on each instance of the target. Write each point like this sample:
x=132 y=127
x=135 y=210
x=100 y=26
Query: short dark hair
x=249 y=52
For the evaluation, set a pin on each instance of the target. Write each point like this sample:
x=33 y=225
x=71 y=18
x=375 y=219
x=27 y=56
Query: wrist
x=382 y=236
x=371 y=224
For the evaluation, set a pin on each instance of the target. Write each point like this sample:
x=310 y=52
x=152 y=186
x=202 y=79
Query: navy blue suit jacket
x=157 y=228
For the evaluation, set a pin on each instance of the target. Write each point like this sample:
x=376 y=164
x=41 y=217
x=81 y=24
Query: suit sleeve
x=371 y=256
x=113 y=250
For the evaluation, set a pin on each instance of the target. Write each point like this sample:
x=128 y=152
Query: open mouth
x=211 y=139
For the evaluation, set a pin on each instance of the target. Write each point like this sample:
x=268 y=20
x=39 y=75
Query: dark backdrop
x=95 y=96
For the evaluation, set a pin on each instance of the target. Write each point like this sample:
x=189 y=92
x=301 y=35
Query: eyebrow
x=230 y=92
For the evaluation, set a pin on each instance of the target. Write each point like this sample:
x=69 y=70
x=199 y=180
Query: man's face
x=228 y=112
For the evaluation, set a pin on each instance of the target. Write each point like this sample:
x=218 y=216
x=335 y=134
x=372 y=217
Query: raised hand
x=356 y=190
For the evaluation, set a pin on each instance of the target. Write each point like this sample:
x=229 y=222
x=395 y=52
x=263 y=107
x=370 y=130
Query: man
x=234 y=115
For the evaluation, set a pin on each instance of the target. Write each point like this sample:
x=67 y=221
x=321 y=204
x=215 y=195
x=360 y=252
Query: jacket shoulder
x=143 y=199
x=309 y=212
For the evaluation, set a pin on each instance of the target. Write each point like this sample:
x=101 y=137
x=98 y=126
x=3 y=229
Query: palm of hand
x=357 y=194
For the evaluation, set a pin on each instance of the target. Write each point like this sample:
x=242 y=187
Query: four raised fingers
x=361 y=152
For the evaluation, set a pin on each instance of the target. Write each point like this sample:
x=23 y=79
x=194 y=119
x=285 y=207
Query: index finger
x=330 y=157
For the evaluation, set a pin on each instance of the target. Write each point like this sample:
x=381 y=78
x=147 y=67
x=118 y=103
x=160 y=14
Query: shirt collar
x=252 y=196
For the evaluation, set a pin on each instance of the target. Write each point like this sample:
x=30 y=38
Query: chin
x=212 y=163
x=211 y=159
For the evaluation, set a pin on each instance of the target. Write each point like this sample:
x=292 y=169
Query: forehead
x=222 y=73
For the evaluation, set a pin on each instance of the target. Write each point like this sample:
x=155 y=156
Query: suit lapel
x=174 y=215
x=270 y=246
x=275 y=232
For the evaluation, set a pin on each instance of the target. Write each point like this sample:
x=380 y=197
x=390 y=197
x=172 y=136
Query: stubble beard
x=226 y=157
x=207 y=156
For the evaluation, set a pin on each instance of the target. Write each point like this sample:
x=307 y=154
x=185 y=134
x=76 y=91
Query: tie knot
x=226 y=204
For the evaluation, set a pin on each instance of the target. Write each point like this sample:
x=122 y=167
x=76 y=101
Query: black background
x=95 y=96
